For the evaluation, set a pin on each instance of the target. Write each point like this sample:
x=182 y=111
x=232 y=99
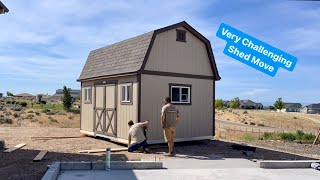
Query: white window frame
x=128 y=94
x=87 y=94
x=180 y=93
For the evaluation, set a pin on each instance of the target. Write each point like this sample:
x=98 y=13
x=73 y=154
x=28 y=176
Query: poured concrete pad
x=186 y=174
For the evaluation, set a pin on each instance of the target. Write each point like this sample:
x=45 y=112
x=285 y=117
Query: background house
x=138 y=73
x=248 y=104
x=3 y=8
x=73 y=92
x=311 y=109
x=293 y=107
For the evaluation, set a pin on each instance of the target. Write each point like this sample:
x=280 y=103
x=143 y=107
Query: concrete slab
x=286 y=164
x=186 y=174
x=227 y=163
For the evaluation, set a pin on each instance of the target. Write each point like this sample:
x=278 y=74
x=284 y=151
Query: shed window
x=87 y=94
x=180 y=94
x=126 y=91
x=181 y=35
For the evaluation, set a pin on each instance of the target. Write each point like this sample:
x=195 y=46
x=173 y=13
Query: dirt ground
x=288 y=120
x=19 y=164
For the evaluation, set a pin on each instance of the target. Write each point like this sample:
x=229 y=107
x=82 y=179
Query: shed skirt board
x=105 y=119
x=125 y=141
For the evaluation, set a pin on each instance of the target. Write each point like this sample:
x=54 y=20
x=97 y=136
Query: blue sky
x=44 y=44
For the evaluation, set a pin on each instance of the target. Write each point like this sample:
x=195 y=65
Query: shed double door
x=105 y=111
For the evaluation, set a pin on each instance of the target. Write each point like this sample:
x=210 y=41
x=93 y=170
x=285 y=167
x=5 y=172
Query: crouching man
x=137 y=135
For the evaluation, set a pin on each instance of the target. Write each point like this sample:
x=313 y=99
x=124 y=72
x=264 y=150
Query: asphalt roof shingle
x=122 y=57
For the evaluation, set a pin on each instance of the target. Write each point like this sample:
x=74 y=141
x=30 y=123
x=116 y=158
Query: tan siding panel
x=196 y=119
x=169 y=55
x=86 y=110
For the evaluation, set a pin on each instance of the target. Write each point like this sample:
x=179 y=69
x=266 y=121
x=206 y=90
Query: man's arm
x=129 y=140
x=178 y=115
x=145 y=124
x=162 y=119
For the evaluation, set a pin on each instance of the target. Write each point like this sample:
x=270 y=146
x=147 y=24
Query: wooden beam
x=40 y=156
x=315 y=140
x=15 y=148
x=103 y=150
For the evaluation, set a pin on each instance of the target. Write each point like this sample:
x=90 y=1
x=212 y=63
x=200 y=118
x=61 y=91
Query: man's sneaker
x=170 y=154
x=147 y=151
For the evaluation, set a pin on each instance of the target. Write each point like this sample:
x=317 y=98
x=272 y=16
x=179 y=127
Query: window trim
x=89 y=101
x=177 y=35
x=181 y=86
x=126 y=84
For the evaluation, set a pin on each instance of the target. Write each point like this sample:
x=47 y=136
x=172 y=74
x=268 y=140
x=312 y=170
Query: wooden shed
x=129 y=80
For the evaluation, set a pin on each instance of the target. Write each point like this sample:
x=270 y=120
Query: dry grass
x=39 y=119
x=270 y=118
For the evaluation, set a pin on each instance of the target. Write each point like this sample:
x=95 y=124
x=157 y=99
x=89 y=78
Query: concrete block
x=136 y=165
x=98 y=165
x=52 y=172
x=75 y=166
x=286 y=164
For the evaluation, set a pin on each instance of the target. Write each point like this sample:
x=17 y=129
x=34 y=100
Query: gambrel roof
x=130 y=56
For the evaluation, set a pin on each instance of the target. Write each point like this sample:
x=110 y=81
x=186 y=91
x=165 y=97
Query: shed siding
x=124 y=112
x=196 y=119
x=86 y=109
x=169 y=55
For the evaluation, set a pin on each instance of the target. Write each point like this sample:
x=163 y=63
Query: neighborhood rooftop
x=128 y=56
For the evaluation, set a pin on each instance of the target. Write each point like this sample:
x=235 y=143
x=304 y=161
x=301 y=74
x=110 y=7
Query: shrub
x=252 y=123
x=37 y=113
x=245 y=122
x=45 y=110
x=270 y=136
x=43 y=102
x=308 y=137
x=71 y=117
x=13 y=102
x=295 y=118
x=5 y=120
x=245 y=112
x=16 y=108
x=23 y=104
x=8 y=113
x=260 y=124
x=30 y=116
x=52 y=120
x=30 y=112
x=288 y=136
x=299 y=135
x=249 y=137
x=16 y=115
x=51 y=112
x=8 y=102
x=34 y=120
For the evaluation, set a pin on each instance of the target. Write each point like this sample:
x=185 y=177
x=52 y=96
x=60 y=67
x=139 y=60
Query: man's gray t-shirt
x=170 y=113
x=136 y=133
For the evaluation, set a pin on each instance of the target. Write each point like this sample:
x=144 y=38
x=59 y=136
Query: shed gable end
x=185 y=57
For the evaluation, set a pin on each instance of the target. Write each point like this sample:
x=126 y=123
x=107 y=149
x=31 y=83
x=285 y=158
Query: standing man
x=169 y=119
x=138 y=136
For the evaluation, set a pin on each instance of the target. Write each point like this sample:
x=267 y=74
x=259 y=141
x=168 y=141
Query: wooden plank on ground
x=103 y=150
x=55 y=137
x=15 y=148
x=40 y=156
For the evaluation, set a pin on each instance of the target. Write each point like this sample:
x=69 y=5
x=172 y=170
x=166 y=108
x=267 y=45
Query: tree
x=66 y=99
x=218 y=103
x=235 y=103
x=279 y=104
x=9 y=94
x=39 y=98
